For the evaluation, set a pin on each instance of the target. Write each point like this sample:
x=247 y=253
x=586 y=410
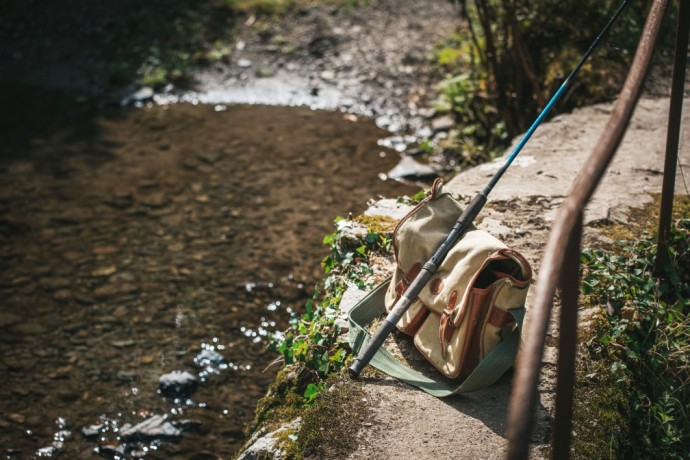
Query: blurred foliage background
x=509 y=56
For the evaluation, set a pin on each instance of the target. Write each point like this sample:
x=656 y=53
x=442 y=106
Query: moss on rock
x=329 y=427
x=377 y=224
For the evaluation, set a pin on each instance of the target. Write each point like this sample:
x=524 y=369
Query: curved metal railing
x=561 y=262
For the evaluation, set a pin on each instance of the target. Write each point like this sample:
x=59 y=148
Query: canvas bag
x=466 y=320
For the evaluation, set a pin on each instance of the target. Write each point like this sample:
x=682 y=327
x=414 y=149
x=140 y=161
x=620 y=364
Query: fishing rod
x=466 y=219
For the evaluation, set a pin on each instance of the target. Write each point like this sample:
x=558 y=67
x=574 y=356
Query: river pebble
x=156 y=427
x=177 y=384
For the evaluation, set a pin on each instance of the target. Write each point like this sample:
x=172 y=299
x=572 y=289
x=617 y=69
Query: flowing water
x=140 y=242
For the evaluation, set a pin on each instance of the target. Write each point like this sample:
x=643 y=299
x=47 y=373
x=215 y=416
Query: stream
x=146 y=254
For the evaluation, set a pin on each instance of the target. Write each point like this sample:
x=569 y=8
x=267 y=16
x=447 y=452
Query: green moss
x=329 y=427
x=259 y=6
x=601 y=412
x=284 y=400
x=645 y=220
x=377 y=224
x=285 y=440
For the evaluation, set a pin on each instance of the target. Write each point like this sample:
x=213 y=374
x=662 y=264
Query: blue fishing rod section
x=557 y=95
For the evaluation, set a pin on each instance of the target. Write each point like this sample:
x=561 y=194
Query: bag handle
x=487 y=372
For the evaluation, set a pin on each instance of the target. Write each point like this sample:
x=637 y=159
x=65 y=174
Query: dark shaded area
x=35 y=121
x=97 y=45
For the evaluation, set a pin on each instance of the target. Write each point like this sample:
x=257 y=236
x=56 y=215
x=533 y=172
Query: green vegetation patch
x=284 y=400
x=635 y=376
x=314 y=338
x=311 y=383
x=508 y=58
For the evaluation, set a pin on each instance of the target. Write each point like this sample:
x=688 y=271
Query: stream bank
x=404 y=422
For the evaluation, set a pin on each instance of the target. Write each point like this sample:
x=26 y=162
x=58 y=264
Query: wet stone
x=177 y=384
x=143 y=94
x=17 y=418
x=156 y=427
x=105 y=250
x=114 y=290
x=103 y=272
x=147 y=359
x=411 y=169
x=112 y=451
x=23 y=392
x=154 y=200
x=122 y=343
x=209 y=357
x=30 y=329
x=210 y=157
x=127 y=376
x=120 y=199
x=54 y=284
x=62 y=295
x=72 y=217
x=67 y=394
x=92 y=431
x=7 y=319
x=73 y=327
x=443 y=123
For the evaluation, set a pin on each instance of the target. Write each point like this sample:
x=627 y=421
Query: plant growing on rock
x=508 y=57
x=642 y=348
x=314 y=337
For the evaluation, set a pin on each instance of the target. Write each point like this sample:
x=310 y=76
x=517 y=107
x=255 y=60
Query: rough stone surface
x=351 y=234
x=155 y=427
x=264 y=447
x=388 y=208
x=553 y=157
x=177 y=383
x=410 y=169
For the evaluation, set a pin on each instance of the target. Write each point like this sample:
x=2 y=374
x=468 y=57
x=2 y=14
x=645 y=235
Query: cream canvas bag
x=466 y=320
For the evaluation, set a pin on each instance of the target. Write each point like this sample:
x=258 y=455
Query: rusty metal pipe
x=567 y=343
x=673 y=135
x=524 y=396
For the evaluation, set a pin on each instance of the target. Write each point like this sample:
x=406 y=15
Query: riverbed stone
x=7 y=319
x=177 y=384
x=143 y=94
x=155 y=427
x=410 y=169
x=443 y=123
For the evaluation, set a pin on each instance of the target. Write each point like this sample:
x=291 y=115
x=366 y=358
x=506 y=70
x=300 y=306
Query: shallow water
x=137 y=242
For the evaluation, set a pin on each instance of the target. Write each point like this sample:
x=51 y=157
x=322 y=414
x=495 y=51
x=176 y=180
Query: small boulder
x=177 y=384
x=156 y=427
x=410 y=169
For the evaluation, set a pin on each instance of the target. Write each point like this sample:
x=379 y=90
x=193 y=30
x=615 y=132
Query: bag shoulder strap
x=489 y=370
